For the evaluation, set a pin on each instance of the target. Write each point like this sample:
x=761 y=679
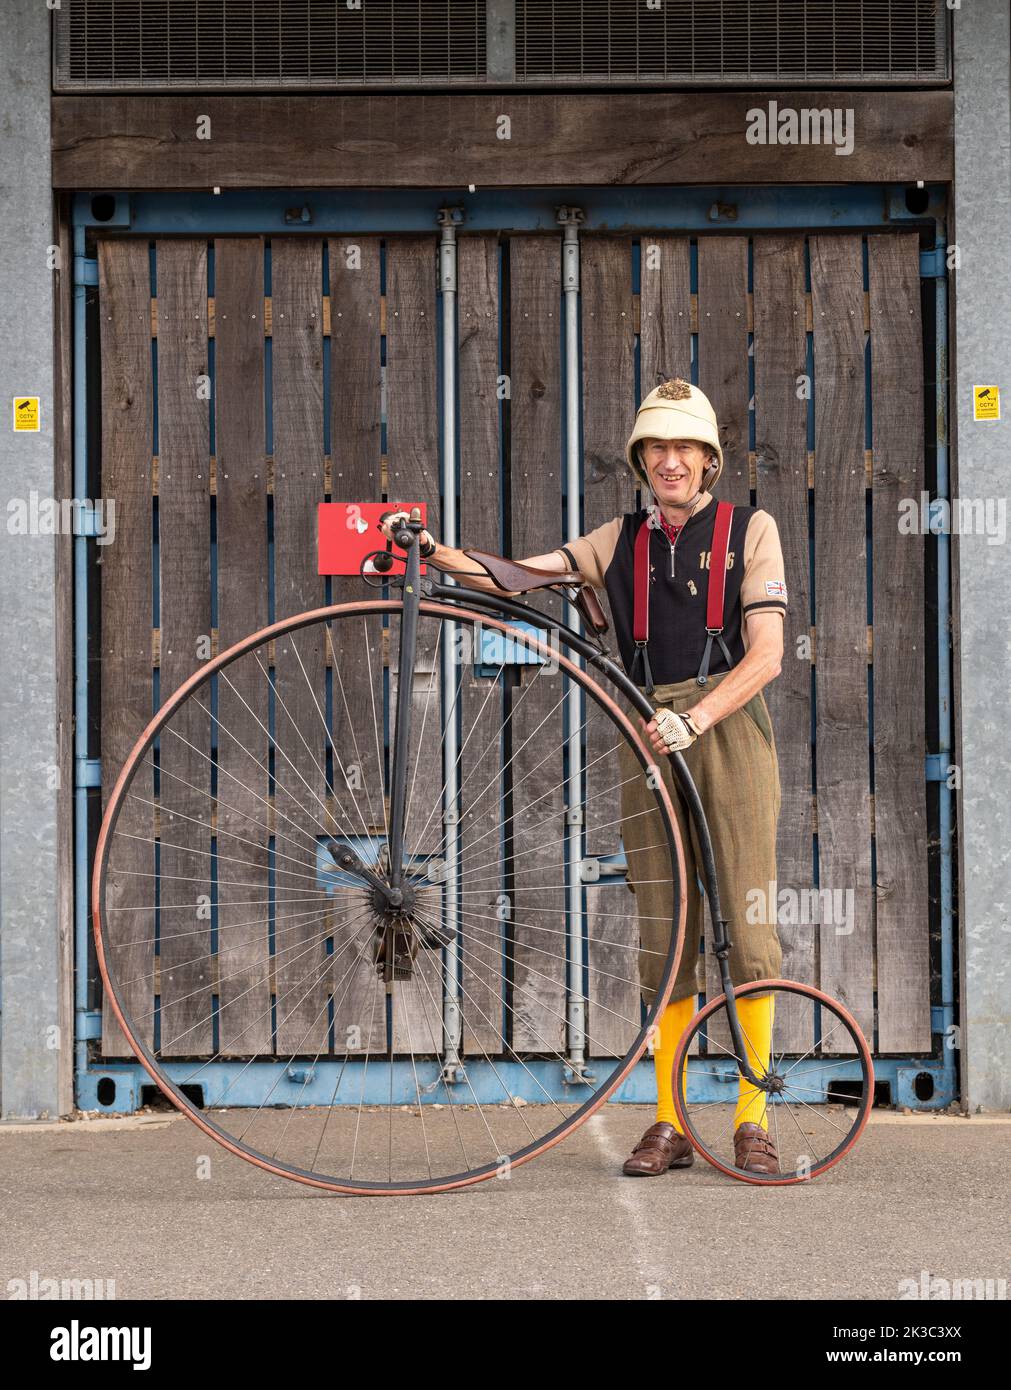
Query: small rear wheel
x=816 y=1085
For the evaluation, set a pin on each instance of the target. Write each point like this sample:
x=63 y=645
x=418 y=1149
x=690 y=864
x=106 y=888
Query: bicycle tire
x=156 y=1067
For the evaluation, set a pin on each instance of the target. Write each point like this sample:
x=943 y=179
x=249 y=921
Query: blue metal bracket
x=89 y=1024
x=87 y=522
x=86 y=209
x=933 y=263
x=936 y=518
x=497 y=648
x=87 y=772
x=385 y=211
x=930 y=1076
x=937 y=767
x=897 y=210
x=85 y=271
x=121 y=1097
x=916 y=1083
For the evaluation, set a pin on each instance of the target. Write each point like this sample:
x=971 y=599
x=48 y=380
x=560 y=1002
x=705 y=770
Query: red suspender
x=714 y=603
x=640 y=608
x=718 y=567
x=640 y=615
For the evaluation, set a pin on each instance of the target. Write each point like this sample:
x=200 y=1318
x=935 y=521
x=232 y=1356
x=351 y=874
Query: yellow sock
x=756 y=1025
x=673 y=1022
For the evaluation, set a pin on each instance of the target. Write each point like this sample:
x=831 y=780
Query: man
x=706 y=680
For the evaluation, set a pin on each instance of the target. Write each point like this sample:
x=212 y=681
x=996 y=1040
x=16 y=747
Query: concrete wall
x=982 y=356
x=30 y=975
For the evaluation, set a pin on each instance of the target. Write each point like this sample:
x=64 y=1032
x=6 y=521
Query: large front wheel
x=348 y=1022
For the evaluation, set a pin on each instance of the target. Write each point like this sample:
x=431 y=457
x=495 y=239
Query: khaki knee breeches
x=736 y=770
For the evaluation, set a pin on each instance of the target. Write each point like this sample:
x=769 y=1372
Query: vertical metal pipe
x=449 y=218
x=945 y=796
x=570 y=219
x=80 y=446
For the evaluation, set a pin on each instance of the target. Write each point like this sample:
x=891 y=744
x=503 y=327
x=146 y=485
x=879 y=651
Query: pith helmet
x=675 y=410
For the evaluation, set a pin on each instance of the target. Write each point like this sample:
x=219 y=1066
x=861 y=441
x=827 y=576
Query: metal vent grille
x=124 y=44
x=739 y=41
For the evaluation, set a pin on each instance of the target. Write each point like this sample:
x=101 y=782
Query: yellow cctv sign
x=26 y=413
x=986 y=402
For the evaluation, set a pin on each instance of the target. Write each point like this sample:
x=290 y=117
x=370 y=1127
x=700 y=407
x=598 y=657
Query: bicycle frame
x=413 y=587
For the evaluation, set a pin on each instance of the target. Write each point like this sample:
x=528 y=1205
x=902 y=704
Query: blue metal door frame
x=920 y=1082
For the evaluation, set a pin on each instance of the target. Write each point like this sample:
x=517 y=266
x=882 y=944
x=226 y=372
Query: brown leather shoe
x=660 y=1148
x=754 y=1150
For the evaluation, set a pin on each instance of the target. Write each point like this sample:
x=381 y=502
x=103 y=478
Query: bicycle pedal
x=402 y=947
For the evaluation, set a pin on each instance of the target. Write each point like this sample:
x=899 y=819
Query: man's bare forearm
x=756 y=669
x=469 y=572
x=462 y=568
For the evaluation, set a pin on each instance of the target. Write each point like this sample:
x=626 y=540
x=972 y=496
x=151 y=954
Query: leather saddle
x=520 y=579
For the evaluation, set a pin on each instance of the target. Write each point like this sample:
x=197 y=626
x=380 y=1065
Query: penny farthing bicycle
x=344 y=860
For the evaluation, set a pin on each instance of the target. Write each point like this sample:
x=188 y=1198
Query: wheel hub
x=398 y=935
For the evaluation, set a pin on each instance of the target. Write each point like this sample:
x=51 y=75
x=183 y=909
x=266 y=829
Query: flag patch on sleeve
x=775 y=588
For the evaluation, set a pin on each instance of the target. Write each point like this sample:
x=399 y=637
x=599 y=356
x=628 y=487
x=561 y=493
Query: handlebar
x=406 y=531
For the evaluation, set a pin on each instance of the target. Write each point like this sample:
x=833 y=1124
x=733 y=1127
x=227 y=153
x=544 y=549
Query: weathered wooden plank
x=243 y=709
x=357 y=676
x=723 y=376
x=780 y=354
x=303 y=972
x=327 y=141
x=412 y=450
x=481 y=708
x=840 y=592
x=127 y=413
x=665 y=310
x=614 y=1000
x=902 y=945
x=608 y=356
x=723 y=353
x=534 y=719
x=184 y=535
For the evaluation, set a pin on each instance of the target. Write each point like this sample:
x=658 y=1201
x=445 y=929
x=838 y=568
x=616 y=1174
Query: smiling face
x=675 y=468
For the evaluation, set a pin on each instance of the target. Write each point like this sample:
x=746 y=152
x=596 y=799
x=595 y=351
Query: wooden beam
x=349 y=141
x=840 y=592
x=124 y=279
x=354 y=650
x=902 y=940
x=412 y=428
x=781 y=489
x=303 y=970
x=537 y=995
x=243 y=709
x=481 y=780
x=184 y=561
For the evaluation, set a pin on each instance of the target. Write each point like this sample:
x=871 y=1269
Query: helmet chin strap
x=691 y=505
x=692 y=502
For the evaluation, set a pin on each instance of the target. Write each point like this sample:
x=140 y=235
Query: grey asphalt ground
x=122 y=1200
